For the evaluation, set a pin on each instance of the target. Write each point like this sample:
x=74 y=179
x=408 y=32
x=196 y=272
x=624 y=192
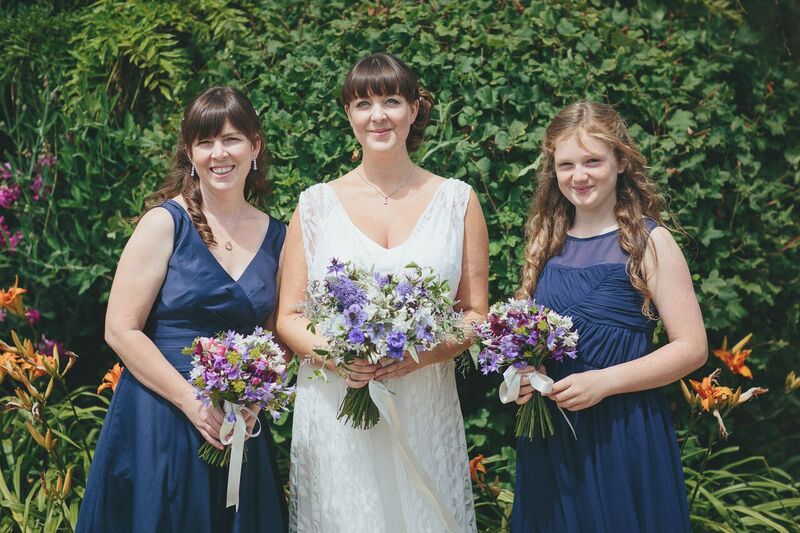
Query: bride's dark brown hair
x=205 y=117
x=381 y=75
x=551 y=214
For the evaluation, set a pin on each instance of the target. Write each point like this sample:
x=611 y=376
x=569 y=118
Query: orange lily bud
x=49 y=441
x=67 y=483
x=35 y=433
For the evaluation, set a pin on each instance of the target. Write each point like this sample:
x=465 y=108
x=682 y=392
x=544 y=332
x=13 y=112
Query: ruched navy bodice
x=623 y=473
x=146 y=475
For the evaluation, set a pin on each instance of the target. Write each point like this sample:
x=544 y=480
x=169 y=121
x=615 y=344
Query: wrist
x=609 y=379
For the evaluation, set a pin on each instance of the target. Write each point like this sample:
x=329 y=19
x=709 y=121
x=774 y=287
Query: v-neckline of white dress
x=411 y=235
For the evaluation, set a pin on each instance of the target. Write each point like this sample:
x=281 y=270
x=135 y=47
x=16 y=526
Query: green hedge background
x=711 y=90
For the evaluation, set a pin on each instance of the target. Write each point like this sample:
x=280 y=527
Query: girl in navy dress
x=203 y=261
x=597 y=250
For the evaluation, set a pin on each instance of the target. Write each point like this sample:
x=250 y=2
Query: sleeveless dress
x=351 y=480
x=146 y=475
x=624 y=471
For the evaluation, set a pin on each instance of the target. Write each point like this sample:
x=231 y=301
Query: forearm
x=449 y=350
x=661 y=367
x=144 y=360
x=293 y=330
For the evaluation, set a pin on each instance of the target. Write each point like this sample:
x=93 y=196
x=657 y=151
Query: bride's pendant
x=386 y=201
x=228 y=246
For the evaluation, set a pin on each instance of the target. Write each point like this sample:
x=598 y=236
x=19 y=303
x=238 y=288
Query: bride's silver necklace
x=387 y=196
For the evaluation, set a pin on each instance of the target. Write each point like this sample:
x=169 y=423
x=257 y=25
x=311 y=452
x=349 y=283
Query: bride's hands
x=207 y=420
x=399 y=368
x=360 y=372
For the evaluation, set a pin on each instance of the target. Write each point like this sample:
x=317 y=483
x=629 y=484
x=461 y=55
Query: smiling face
x=381 y=123
x=586 y=170
x=223 y=161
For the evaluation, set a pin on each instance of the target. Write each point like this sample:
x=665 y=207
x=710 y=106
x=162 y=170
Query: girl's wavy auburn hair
x=382 y=75
x=205 y=117
x=551 y=214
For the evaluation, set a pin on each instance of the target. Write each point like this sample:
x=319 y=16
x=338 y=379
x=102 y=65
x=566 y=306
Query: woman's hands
x=360 y=372
x=207 y=420
x=399 y=368
x=525 y=389
x=580 y=390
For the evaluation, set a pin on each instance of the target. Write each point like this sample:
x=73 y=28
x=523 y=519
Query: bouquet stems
x=358 y=409
x=217 y=457
x=533 y=418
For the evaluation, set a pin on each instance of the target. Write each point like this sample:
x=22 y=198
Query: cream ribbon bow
x=384 y=400
x=236 y=439
x=512 y=380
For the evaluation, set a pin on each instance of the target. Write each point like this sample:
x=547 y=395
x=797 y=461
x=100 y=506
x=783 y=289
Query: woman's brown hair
x=551 y=214
x=381 y=75
x=205 y=117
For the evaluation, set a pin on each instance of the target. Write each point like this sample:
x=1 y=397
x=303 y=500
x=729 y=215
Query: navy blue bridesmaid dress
x=623 y=474
x=146 y=475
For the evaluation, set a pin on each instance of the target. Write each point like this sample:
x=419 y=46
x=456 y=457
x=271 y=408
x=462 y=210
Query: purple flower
x=346 y=292
x=381 y=279
x=33 y=316
x=355 y=336
x=354 y=317
x=396 y=343
x=336 y=267
x=403 y=289
x=425 y=334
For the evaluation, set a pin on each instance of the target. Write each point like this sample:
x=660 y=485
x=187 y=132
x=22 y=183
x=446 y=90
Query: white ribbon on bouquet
x=236 y=440
x=384 y=400
x=512 y=380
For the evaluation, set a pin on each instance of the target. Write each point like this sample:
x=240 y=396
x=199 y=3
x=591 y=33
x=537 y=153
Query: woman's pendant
x=228 y=246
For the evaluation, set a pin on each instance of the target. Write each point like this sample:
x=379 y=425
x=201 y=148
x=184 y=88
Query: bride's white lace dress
x=350 y=480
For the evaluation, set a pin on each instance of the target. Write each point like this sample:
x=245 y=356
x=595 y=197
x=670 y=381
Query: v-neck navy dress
x=146 y=475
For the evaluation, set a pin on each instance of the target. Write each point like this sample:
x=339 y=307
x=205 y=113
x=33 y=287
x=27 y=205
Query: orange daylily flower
x=710 y=393
x=713 y=397
x=475 y=466
x=736 y=357
x=7 y=358
x=11 y=299
x=111 y=379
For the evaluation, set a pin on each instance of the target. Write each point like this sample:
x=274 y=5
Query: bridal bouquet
x=520 y=333
x=372 y=316
x=238 y=372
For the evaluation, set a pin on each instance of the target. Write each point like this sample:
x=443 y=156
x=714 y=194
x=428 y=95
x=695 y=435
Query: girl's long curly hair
x=205 y=117
x=551 y=214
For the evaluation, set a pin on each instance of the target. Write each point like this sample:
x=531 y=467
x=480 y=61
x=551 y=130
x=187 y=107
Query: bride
x=384 y=214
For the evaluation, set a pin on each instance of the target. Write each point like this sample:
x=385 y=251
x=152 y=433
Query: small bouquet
x=369 y=315
x=238 y=372
x=520 y=333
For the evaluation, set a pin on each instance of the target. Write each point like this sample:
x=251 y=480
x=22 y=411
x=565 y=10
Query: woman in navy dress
x=598 y=251
x=203 y=261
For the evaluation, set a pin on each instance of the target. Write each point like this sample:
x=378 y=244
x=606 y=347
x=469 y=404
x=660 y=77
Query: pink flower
x=2 y=316
x=9 y=195
x=36 y=187
x=14 y=240
x=5 y=171
x=47 y=160
x=33 y=316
